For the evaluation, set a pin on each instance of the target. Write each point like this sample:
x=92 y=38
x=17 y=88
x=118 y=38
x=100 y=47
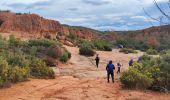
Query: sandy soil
x=80 y=80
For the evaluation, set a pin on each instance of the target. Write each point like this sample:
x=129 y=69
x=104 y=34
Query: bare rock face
x=82 y=33
x=159 y=31
x=32 y=24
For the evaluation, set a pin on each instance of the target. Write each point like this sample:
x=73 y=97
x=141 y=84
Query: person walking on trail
x=97 y=60
x=118 y=66
x=131 y=62
x=110 y=71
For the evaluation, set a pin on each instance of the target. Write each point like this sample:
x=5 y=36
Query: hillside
x=157 y=31
x=32 y=26
x=35 y=26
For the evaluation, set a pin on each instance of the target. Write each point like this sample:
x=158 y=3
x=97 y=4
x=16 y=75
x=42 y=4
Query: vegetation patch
x=20 y=60
x=149 y=73
x=151 y=52
x=128 y=50
x=86 y=50
x=132 y=43
x=65 y=57
x=102 y=45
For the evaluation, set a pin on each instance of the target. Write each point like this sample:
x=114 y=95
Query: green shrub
x=145 y=57
x=18 y=59
x=102 y=45
x=128 y=50
x=86 y=51
x=50 y=61
x=52 y=52
x=33 y=50
x=18 y=74
x=3 y=71
x=153 y=73
x=133 y=43
x=39 y=69
x=69 y=55
x=165 y=71
x=65 y=57
x=151 y=52
x=82 y=42
x=72 y=37
x=42 y=42
x=13 y=41
x=134 y=79
x=3 y=43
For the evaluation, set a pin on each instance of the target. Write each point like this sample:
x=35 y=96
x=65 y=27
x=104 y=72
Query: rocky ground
x=81 y=80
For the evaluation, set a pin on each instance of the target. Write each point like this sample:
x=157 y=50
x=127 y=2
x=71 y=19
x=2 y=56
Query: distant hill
x=157 y=31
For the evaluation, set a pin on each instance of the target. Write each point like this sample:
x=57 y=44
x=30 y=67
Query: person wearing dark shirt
x=97 y=60
x=110 y=71
x=131 y=62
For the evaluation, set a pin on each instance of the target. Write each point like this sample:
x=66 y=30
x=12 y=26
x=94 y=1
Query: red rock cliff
x=34 y=24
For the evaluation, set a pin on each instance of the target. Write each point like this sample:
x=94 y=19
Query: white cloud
x=21 y=1
x=92 y=13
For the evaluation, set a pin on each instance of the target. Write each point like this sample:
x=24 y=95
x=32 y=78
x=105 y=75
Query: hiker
x=110 y=71
x=131 y=62
x=118 y=66
x=140 y=59
x=97 y=60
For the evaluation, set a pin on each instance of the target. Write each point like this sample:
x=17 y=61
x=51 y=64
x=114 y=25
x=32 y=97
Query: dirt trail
x=80 y=80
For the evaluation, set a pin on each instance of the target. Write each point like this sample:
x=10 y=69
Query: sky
x=104 y=15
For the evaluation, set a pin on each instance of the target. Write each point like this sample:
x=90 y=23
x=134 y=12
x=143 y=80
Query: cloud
x=30 y=5
x=73 y=9
x=98 y=14
x=96 y=2
x=143 y=18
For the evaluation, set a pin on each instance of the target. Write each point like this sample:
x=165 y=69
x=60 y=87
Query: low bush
x=50 y=61
x=69 y=54
x=52 y=52
x=39 y=69
x=102 y=45
x=133 y=43
x=33 y=50
x=14 y=42
x=20 y=60
x=42 y=42
x=165 y=71
x=72 y=37
x=18 y=74
x=152 y=73
x=128 y=50
x=65 y=57
x=134 y=79
x=86 y=50
x=3 y=71
x=151 y=52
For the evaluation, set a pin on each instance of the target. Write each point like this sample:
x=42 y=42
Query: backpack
x=110 y=67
